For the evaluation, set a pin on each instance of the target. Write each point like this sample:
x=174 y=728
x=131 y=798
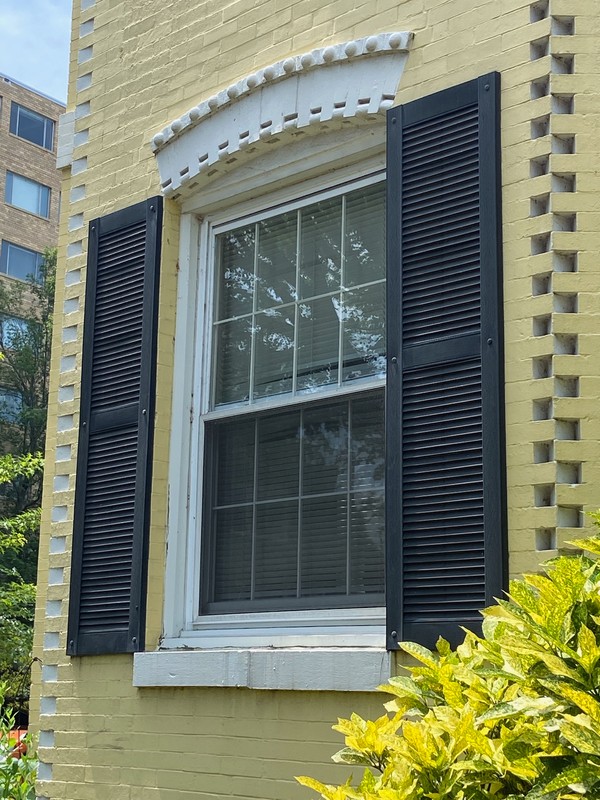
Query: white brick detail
x=77 y=193
x=53 y=609
x=69 y=334
x=71 y=305
x=82 y=110
x=79 y=166
x=65 y=422
x=46 y=739
x=74 y=249
x=58 y=544
x=51 y=640
x=61 y=483
x=66 y=394
x=72 y=277
x=85 y=54
x=50 y=672
x=67 y=363
x=86 y=28
x=63 y=452
x=48 y=705
x=56 y=576
x=59 y=513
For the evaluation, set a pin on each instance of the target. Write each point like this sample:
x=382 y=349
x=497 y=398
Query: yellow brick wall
x=149 y=63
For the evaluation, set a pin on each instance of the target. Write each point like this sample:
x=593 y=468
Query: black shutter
x=446 y=556
x=112 y=493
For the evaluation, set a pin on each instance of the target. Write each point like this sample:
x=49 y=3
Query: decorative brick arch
x=347 y=84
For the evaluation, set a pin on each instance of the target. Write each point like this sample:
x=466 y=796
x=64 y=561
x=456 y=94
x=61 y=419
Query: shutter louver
x=445 y=518
x=108 y=583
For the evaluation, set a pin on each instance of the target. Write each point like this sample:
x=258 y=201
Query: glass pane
x=320 y=247
x=25 y=194
x=20 y=262
x=233 y=554
x=366 y=542
x=325 y=450
x=31 y=126
x=367 y=443
x=364 y=332
x=232 y=378
x=276 y=550
x=276 y=266
x=278 y=456
x=235 y=462
x=235 y=254
x=364 y=239
x=274 y=351
x=318 y=342
x=323 y=540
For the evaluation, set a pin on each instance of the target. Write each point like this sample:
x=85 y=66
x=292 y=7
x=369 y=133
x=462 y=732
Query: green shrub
x=513 y=714
x=17 y=767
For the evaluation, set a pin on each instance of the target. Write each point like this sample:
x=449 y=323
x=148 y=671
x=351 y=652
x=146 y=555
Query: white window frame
x=263 y=650
x=342 y=627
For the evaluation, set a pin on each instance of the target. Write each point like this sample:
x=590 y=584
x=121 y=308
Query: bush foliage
x=512 y=714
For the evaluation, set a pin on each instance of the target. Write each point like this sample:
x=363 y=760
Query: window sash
x=20 y=262
x=29 y=125
x=27 y=194
x=327 y=469
x=254 y=309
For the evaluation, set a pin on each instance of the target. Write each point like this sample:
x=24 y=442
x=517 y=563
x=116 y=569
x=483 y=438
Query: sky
x=34 y=44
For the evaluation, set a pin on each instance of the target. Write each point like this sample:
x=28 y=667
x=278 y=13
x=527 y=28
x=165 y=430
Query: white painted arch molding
x=351 y=83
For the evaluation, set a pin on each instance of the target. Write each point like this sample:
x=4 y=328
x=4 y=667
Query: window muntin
x=27 y=194
x=20 y=262
x=30 y=125
x=293 y=502
x=300 y=300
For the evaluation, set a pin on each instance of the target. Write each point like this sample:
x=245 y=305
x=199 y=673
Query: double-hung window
x=29 y=125
x=27 y=194
x=293 y=499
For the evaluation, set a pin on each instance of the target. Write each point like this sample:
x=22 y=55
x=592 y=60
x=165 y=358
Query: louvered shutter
x=444 y=441
x=108 y=575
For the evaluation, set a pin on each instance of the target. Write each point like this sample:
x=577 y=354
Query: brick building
x=215 y=585
x=29 y=180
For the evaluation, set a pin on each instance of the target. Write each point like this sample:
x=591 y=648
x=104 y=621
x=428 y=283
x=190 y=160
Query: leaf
x=349 y=756
x=421 y=653
x=527 y=706
x=584 y=775
x=580 y=736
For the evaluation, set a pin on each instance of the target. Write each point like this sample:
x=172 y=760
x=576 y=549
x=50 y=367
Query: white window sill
x=331 y=669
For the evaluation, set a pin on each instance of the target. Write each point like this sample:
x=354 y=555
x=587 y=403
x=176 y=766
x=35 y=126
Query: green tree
x=26 y=310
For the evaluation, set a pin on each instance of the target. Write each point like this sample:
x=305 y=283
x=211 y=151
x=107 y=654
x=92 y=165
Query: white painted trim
x=351 y=83
x=298 y=669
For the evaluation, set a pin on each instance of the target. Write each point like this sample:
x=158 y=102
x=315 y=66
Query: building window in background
x=29 y=125
x=27 y=194
x=20 y=262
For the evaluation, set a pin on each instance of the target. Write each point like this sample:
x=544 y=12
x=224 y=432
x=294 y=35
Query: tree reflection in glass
x=301 y=299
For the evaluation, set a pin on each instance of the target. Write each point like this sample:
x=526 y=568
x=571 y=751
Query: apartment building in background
x=29 y=180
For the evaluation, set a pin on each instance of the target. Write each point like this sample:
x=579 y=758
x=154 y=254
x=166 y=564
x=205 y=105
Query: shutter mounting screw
x=490 y=341
x=71 y=642
x=134 y=639
x=487 y=87
x=83 y=424
x=394 y=360
x=394 y=634
x=143 y=411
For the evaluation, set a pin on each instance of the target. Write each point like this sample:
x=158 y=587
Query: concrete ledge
x=302 y=669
